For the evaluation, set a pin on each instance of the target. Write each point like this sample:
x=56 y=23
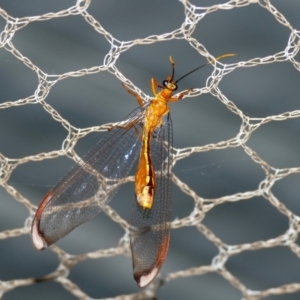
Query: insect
x=81 y=193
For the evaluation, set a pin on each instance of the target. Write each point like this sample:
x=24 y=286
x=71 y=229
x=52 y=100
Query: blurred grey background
x=66 y=44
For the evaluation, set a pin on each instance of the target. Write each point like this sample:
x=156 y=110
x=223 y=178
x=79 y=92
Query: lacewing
x=79 y=195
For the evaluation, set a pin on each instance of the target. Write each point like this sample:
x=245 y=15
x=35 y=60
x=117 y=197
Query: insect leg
x=134 y=94
x=127 y=126
x=174 y=99
x=154 y=85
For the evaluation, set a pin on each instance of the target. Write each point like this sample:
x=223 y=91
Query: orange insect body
x=145 y=176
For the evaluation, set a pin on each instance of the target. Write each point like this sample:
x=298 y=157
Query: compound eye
x=165 y=83
x=175 y=87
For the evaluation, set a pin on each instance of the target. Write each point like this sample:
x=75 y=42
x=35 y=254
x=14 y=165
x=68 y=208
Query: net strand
x=193 y=16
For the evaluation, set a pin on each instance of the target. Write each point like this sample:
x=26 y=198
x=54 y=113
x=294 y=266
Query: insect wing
x=79 y=195
x=151 y=227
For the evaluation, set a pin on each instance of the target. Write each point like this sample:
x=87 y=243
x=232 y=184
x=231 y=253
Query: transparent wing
x=79 y=195
x=151 y=227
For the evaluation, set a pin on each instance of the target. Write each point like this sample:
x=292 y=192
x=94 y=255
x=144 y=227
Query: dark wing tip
x=37 y=236
x=144 y=278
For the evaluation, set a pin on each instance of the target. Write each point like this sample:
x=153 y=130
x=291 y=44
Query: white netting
x=245 y=276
